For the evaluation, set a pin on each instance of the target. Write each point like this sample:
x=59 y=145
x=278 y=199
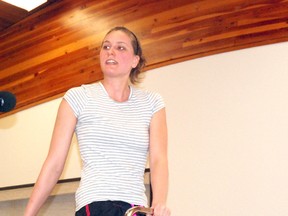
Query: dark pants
x=105 y=208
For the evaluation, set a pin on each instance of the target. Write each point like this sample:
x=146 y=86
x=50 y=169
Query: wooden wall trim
x=57 y=47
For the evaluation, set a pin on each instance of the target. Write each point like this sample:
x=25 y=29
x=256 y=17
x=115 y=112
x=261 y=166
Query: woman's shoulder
x=139 y=91
x=149 y=99
x=84 y=88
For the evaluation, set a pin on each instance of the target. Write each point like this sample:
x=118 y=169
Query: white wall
x=25 y=138
x=227 y=118
x=228 y=121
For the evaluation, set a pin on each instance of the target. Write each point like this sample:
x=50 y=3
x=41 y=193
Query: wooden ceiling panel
x=57 y=47
x=10 y=14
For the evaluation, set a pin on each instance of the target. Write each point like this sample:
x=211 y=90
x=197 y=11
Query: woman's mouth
x=111 y=62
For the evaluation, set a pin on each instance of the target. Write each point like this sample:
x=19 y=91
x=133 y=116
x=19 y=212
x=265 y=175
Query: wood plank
x=57 y=48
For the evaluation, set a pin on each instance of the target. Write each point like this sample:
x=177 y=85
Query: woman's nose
x=111 y=51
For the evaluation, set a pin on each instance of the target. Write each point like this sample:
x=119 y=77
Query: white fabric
x=113 y=140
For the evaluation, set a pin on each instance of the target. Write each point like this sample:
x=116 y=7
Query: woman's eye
x=106 y=47
x=121 y=48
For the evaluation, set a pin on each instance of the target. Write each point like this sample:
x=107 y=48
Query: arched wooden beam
x=57 y=47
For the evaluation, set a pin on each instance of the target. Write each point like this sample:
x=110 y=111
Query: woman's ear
x=135 y=61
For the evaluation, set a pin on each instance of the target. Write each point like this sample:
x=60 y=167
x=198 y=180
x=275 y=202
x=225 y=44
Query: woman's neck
x=118 y=91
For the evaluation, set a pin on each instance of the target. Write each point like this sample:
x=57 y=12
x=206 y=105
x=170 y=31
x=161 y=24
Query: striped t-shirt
x=113 y=139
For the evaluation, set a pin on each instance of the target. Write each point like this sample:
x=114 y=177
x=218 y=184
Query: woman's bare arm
x=159 y=162
x=55 y=161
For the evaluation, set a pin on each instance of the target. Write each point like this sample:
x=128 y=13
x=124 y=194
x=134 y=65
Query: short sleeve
x=158 y=103
x=77 y=99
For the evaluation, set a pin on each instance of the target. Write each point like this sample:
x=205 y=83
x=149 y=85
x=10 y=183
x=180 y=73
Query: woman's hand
x=161 y=210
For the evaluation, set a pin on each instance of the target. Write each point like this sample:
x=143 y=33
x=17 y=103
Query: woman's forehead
x=117 y=36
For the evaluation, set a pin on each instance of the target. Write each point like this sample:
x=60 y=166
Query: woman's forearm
x=45 y=183
x=159 y=182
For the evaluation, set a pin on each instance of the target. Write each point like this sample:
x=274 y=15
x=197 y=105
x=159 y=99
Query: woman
x=115 y=124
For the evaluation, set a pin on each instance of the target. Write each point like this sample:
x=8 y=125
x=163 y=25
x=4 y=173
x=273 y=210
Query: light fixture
x=26 y=4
